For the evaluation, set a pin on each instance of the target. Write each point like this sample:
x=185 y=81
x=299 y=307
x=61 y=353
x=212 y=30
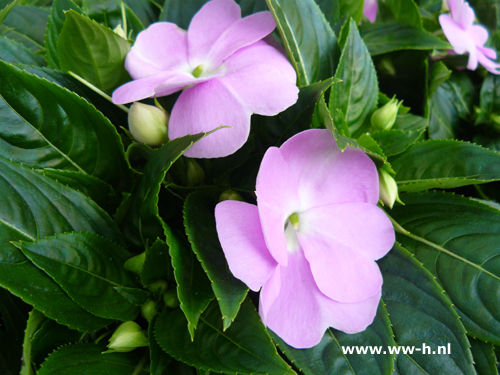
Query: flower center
x=197 y=71
x=291 y=227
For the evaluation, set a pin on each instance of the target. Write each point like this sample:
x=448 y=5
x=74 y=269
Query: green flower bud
x=148 y=124
x=388 y=188
x=149 y=310
x=230 y=195
x=170 y=298
x=136 y=263
x=384 y=117
x=127 y=337
x=119 y=31
x=195 y=173
x=158 y=286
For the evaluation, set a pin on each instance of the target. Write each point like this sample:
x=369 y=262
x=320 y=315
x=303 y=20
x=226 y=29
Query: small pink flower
x=312 y=240
x=225 y=69
x=466 y=37
x=370 y=8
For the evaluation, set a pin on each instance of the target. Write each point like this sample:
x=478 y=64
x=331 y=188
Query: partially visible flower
x=312 y=240
x=148 y=124
x=388 y=188
x=370 y=8
x=385 y=117
x=127 y=337
x=466 y=37
x=226 y=70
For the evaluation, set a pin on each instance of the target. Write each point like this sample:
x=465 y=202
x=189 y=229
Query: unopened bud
x=159 y=286
x=136 y=263
x=127 y=337
x=148 y=124
x=119 y=31
x=149 y=310
x=388 y=188
x=195 y=173
x=384 y=117
x=170 y=298
x=230 y=195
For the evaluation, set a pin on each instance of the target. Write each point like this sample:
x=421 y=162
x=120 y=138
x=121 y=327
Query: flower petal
x=262 y=78
x=162 y=46
x=485 y=61
x=479 y=34
x=328 y=175
x=299 y=313
x=207 y=26
x=460 y=40
x=277 y=200
x=370 y=8
x=361 y=227
x=340 y=273
x=203 y=108
x=462 y=13
x=241 y=237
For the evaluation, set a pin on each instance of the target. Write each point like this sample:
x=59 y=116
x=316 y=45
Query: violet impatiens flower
x=465 y=37
x=226 y=70
x=370 y=8
x=312 y=240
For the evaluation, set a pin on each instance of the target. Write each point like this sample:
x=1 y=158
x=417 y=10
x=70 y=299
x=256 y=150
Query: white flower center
x=291 y=227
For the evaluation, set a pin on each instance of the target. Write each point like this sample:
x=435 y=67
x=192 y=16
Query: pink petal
x=328 y=175
x=240 y=34
x=463 y=14
x=241 y=237
x=340 y=273
x=490 y=66
x=160 y=47
x=361 y=227
x=370 y=8
x=207 y=26
x=262 y=78
x=299 y=313
x=479 y=35
x=277 y=200
x=203 y=108
x=461 y=40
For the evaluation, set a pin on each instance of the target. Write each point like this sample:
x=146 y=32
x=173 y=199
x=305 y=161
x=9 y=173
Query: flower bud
x=158 y=286
x=195 y=173
x=149 y=310
x=388 y=188
x=136 y=263
x=127 y=337
x=384 y=117
x=148 y=124
x=230 y=195
x=119 y=31
x=170 y=298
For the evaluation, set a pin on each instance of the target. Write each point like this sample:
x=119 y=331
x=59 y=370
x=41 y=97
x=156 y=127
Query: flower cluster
x=227 y=72
x=312 y=240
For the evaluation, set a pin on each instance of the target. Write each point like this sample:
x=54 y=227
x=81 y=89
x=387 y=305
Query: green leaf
x=444 y=164
x=159 y=359
x=156 y=263
x=394 y=141
x=244 y=348
x=356 y=96
x=308 y=38
x=351 y=8
x=199 y=220
x=387 y=37
x=406 y=12
x=408 y=121
x=16 y=53
x=457 y=240
x=50 y=127
x=193 y=286
x=452 y=101
x=93 y=52
x=34 y=207
x=440 y=74
x=485 y=360
x=489 y=100
x=89 y=268
x=27 y=25
x=328 y=356
x=181 y=12
x=142 y=225
x=422 y=315
x=54 y=27
x=487 y=12
x=87 y=359
x=35 y=321
x=5 y=11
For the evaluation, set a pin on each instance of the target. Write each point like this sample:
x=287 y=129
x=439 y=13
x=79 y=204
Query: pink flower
x=370 y=8
x=466 y=37
x=312 y=240
x=225 y=69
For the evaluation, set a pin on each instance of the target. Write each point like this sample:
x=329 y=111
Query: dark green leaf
x=422 y=315
x=457 y=240
x=487 y=12
x=387 y=37
x=79 y=359
x=308 y=38
x=159 y=359
x=351 y=8
x=440 y=73
x=490 y=100
x=16 y=53
x=444 y=164
x=88 y=267
x=331 y=10
x=450 y=103
x=393 y=142
x=405 y=11
x=93 y=52
x=193 y=286
x=34 y=207
x=5 y=11
x=408 y=121
x=35 y=321
x=356 y=96
x=485 y=360
x=199 y=220
x=328 y=356
x=54 y=28
x=244 y=348
x=157 y=263
x=28 y=25
x=50 y=127
x=181 y=12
